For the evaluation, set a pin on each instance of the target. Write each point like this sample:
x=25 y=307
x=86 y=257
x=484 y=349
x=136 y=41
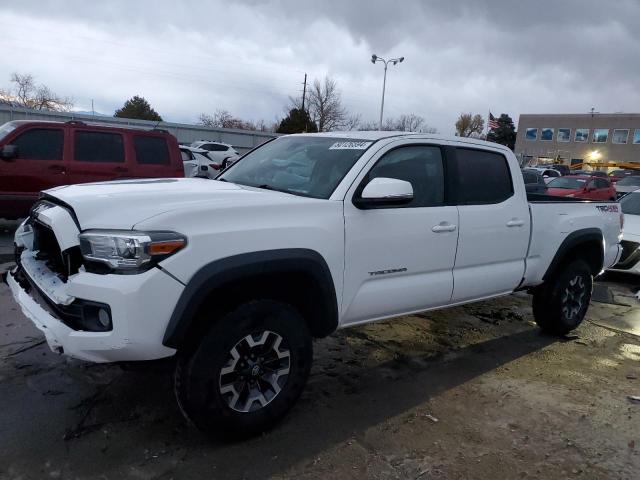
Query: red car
x=37 y=155
x=586 y=187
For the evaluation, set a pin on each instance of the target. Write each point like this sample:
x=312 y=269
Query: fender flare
x=570 y=242
x=216 y=274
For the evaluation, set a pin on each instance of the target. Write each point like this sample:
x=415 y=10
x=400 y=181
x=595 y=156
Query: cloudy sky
x=248 y=57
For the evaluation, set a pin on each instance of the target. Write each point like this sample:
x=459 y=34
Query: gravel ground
x=470 y=392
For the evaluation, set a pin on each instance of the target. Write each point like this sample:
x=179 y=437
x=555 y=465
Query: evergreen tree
x=137 y=107
x=505 y=134
x=298 y=121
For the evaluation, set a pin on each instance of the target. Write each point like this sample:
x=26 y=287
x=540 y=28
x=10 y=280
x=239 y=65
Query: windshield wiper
x=275 y=189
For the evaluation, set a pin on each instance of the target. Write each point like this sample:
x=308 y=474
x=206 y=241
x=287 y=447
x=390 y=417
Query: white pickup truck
x=304 y=235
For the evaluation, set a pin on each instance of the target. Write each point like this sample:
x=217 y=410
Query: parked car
x=586 y=187
x=534 y=181
x=630 y=260
x=37 y=155
x=306 y=234
x=218 y=150
x=597 y=173
x=563 y=169
x=197 y=163
x=616 y=175
x=547 y=173
x=627 y=184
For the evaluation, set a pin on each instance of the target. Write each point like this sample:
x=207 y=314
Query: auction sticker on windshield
x=350 y=146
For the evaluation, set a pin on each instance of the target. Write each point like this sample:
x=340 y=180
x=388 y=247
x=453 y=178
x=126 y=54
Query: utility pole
x=304 y=91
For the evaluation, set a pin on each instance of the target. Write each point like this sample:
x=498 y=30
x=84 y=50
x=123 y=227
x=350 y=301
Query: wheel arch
x=299 y=276
x=587 y=244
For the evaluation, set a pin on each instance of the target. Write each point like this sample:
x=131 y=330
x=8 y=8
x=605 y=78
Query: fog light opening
x=104 y=318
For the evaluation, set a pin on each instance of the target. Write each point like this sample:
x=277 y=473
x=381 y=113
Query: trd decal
x=608 y=208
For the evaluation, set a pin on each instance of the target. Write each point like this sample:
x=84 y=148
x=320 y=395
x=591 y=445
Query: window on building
x=99 y=147
x=636 y=136
x=600 y=135
x=546 y=134
x=582 y=135
x=620 y=135
x=151 y=150
x=532 y=134
x=564 y=135
x=483 y=177
x=40 y=144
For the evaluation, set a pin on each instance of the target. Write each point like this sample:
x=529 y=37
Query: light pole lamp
x=393 y=61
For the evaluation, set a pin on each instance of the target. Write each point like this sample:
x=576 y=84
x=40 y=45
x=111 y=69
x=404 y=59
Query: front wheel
x=560 y=305
x=247 y=372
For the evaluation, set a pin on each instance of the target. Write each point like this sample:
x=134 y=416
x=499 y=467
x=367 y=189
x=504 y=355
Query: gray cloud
x=249 y=56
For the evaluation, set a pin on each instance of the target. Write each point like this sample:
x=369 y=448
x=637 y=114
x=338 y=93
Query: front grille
x=45 y=243
x=630 y=255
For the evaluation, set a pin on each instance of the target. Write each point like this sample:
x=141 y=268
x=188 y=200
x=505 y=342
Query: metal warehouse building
x=598 y=139
x=242 y=140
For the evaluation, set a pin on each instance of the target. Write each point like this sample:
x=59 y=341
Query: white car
x=547 y=173
x=197 y=164
x=630 y=259
x=627 y=184
x=307 y=234
x=218 y=151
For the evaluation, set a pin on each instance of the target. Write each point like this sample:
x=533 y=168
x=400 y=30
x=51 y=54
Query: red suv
x=37 y=155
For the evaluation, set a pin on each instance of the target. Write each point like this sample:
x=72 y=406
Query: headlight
x=128 y=251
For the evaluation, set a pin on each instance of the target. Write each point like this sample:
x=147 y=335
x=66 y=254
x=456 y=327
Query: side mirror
x=384 y=192
x=9 y=152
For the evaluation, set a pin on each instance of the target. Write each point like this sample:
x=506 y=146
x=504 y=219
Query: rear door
x=98 y=155
x=39 y=165
x=494 y=224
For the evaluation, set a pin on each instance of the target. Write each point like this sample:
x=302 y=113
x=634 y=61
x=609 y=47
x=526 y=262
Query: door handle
x=514 y=222
x=443 y=227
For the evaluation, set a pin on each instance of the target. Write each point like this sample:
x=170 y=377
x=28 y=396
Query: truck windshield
x=631 y=204
x=301 y=165
x=6 y=129
x=567 y=183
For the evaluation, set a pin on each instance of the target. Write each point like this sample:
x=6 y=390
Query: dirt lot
x=472 y=392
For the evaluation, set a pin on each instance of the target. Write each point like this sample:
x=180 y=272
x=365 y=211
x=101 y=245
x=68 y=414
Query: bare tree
x=325 y=105
x=352 y=122
x=26 y=93
x=224 y=119
x=409 y=123
x=404 y=123
x=469 y=125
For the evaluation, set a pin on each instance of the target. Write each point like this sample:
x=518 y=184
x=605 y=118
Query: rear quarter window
x=483 y=177
x=151 y=150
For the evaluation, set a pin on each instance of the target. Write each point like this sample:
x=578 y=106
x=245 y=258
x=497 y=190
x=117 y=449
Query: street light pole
x=393 y=61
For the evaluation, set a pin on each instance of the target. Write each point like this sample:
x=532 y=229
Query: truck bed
x=543 y=198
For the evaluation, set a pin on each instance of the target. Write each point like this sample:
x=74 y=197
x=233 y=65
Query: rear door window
x=151 y=150
x=40 y=144
x=483 y=177
x=98 y=147
x=214 y=147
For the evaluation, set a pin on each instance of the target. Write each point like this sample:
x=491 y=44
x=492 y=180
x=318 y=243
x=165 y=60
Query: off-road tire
x=561 y=303
x=198 y=377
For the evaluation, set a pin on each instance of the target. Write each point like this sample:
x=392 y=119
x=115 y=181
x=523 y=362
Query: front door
x=399 y=259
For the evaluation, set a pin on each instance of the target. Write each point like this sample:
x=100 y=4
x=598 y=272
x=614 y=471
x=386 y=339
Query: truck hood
x=122 y=204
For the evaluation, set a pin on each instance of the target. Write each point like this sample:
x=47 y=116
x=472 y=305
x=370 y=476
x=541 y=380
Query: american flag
x=493 y=123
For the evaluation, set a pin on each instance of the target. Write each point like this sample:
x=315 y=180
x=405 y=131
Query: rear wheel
x=248 y=370
x=560 y=305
